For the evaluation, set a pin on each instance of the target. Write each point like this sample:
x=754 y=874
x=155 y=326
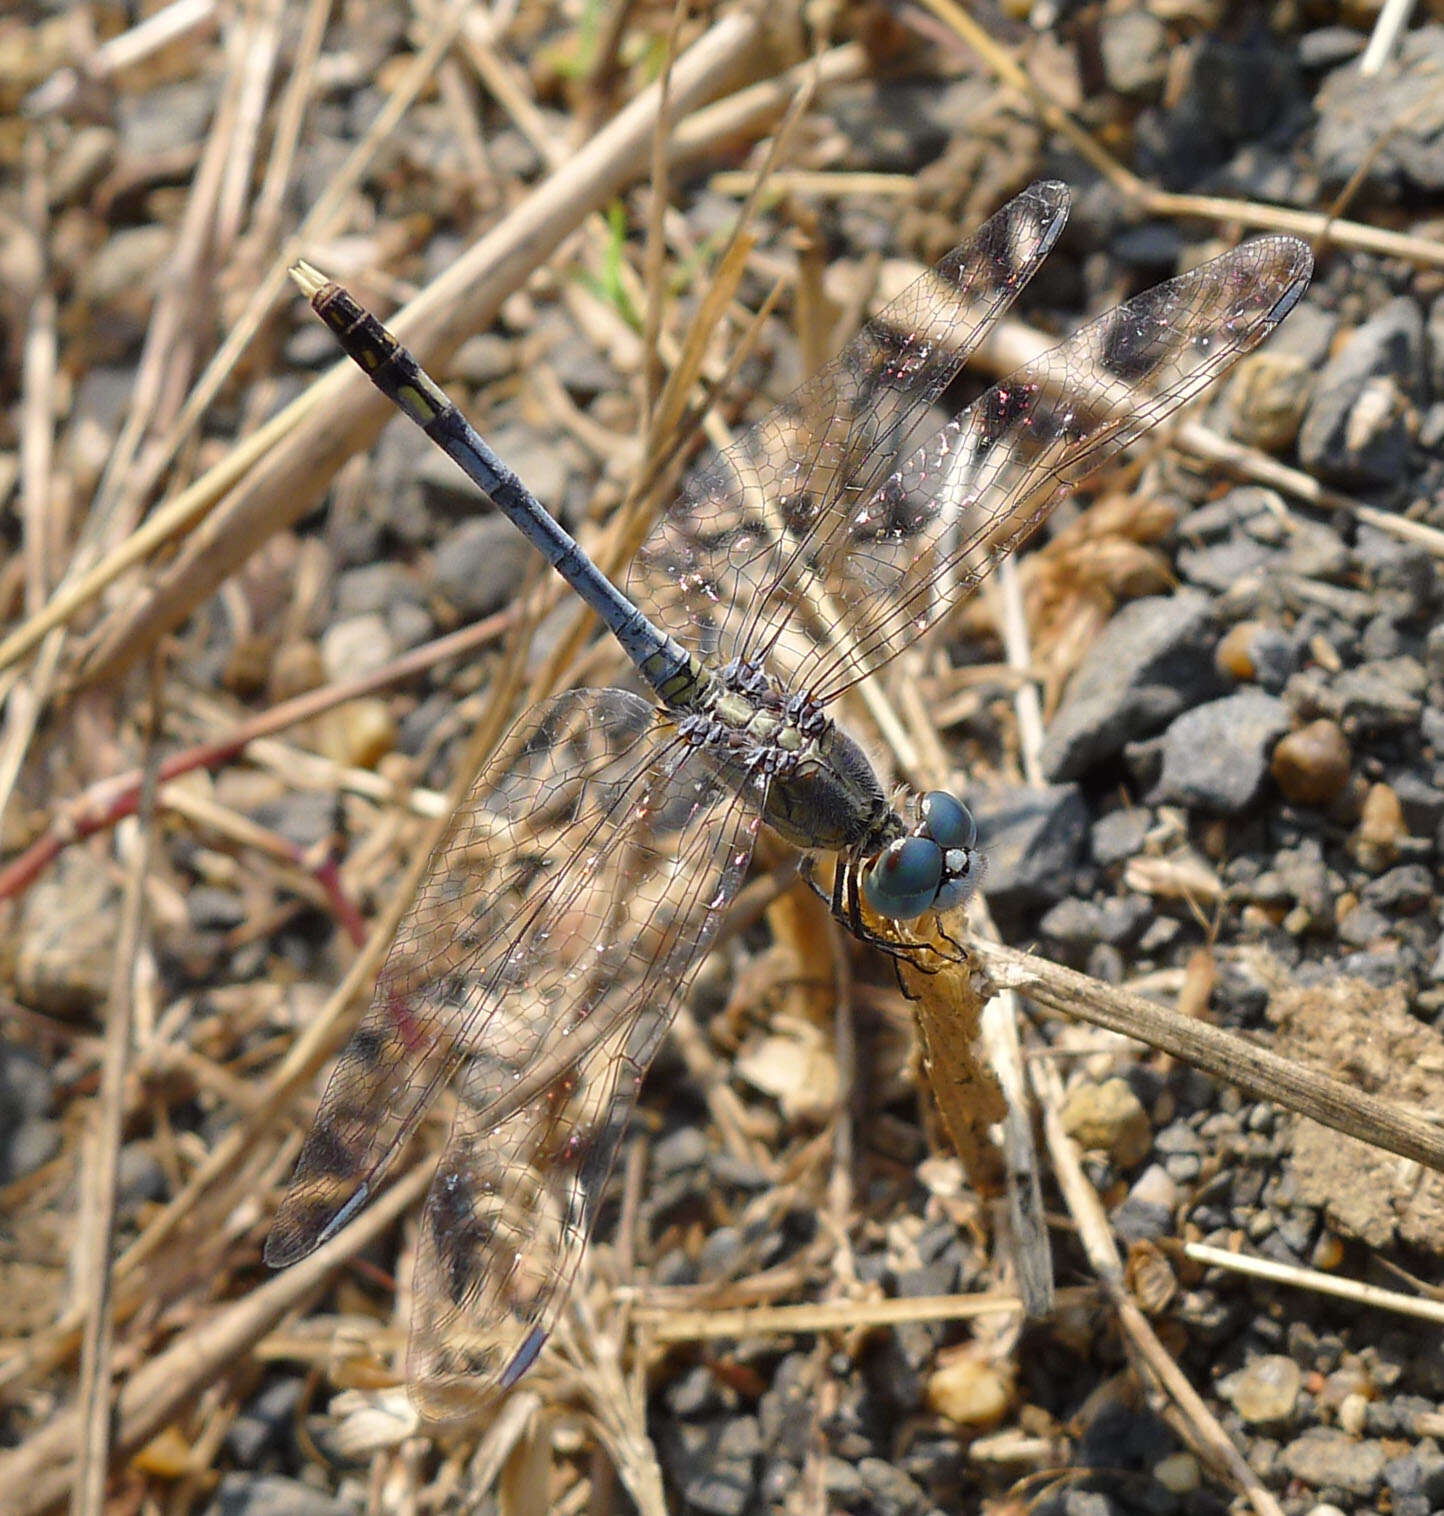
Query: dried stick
x=101 y=1180
x=668 y=1325
x=1253 y=1068
x=1368 y=1296
x=1087 y=1211
x=1311 y=225
x=108 y=801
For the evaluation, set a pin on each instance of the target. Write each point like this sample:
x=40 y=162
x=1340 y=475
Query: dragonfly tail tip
x=308 y=277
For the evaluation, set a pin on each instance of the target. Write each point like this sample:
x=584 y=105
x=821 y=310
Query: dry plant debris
x=252 y=634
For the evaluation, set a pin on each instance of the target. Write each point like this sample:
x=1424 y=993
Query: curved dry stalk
x=1252 y=1067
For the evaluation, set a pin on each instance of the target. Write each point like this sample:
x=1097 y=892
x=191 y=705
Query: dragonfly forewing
x=892 y=564
x=717 y=565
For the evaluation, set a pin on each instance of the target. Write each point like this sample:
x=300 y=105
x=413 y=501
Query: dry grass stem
x=1366 y=1296
x=1250 y=1066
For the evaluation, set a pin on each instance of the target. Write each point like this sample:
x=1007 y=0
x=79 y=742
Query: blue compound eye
x=947 y=821
x=902 y=881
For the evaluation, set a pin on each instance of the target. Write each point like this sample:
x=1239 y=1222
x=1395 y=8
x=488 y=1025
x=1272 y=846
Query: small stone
x=1329 y=1252
x=1179 y=1473
x=1312 y=765
x=1216 y=757
x=271 y=1495
x=358 y=733
x=265 y=1422
x=120 y=276
x=1253 y=653
x=1358 y=422
x=304 y=817
x=33 y=1142
x=1033 y=839
x=1374 y=843
x=1084 y=923
x=1348 y=107
x=969 y=1391
x=482 y=565
x=296 y=667
x=1135 y=50
x=66 y=938
x=889 y=1491
x=1385 y=694
x=1422 y=801
x=85 y=156
x=1265 y=1391
x=1152 y=661
x=1327 y=1458
x=483 y=359
x=1119 y=835
x=164 y=118
x=1402 y=891
x=1267 y=399
x=214 y=909
x=1353 y=1413
x=140 y=1175
x=372 y=588
x=1109 y=1118
x=680 y=1151
x=355 y=646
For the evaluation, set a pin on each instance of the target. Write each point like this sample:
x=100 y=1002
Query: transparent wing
x=587 y=868
x=838 y=436
x=887 y=567
x=544 y=1104
x=832 y=536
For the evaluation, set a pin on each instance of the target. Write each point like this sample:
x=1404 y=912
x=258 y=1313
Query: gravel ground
x=1235 y=807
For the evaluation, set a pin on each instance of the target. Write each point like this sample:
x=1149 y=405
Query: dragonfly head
x=934 y=867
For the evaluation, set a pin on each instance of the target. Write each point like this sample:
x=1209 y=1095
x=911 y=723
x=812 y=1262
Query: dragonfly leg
x=806 y=870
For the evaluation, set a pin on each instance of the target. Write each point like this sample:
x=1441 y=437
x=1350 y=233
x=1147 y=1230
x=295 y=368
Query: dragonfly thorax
x=822 y=794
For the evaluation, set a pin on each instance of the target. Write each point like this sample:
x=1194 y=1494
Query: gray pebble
x=1216 y=756
x=270 y=1495
x=374 y=588
x=1350 y=106
x=1153 y=660
x=1378 y=696
x=483 y=359
x=265 y=1422
x=1033 y=839
x=304 y=817
x=1119 y=835
x=1358 y=422
x=1135 y=50
x=1402 y=890
x=889 y=1491
x=481 y=565
x=214 y=909
x=356 y=646
x=170 y=116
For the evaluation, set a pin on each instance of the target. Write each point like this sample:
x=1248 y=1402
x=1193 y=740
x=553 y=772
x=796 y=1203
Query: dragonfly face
x=935 y=867
x=557 y=930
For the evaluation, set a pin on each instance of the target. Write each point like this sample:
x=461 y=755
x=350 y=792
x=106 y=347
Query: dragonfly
x=588 y=872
